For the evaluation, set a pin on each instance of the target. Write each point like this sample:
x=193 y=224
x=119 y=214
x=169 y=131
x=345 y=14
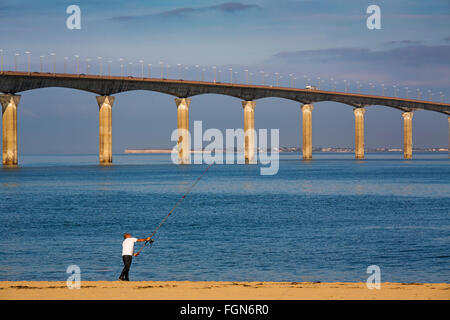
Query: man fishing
x=128 y=253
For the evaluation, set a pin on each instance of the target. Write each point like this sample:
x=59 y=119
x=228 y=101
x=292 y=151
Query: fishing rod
x=173 y=209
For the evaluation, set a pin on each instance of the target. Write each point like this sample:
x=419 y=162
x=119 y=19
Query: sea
x=330 y=219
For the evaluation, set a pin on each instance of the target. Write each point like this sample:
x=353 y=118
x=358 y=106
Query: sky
x=314 y=40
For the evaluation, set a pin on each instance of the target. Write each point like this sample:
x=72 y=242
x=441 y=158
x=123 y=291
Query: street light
x=246 y=75
x=142 y=68
x=276 y=76
x=161 y=67
x=1 y=58
x=218 y=75
x=54 y=61
x=167 y=71
x=65 y=64
x=203 y=74
x=109 y=67
x=231 y=75
x=149 y=70
x=87 y=65
x=179 y=70
x=130 y=69
x=41 y=63
x=77 y=57
x=306 y=80
x=418 y=94
x=28 y=53
x=250 y=77
x=345 y=84
x=382 y=89
x=100 y=65
x=215 y=73
x=430 y=95
x=442 y=96
x=406 y=92
x=15 y=61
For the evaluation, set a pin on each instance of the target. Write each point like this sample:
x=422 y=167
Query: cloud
x=414 y=64
x=403 y=43
x=226 y=7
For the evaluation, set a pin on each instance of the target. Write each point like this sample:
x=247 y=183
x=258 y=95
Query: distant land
x=295 y=149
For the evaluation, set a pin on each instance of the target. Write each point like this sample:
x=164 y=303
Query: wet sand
x=212 y=290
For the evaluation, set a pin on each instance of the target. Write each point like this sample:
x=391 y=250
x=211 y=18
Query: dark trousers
x=127 y=263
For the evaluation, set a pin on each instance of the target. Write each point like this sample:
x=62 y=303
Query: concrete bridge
x=12 y=83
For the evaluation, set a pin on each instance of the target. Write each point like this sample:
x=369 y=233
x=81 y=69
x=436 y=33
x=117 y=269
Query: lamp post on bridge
x=41 y=63
x=1 y=60
x=77 y=58
x=161 y=68
x=109 y=67
x=179 y=71
x=442 y=96
x=149 y=70
x=419 y=94
x=276 y=76
x=142 y=68
x=167 y=71
x=15 y=61
x=54 y=61
x=246 y=75
x=28 y=53
x=382 y=89
x=100 y=62
x=345 y=84
x=406 y=92
x=121 y=67
x=66 y=60
x=215 y=73
x=430 y=95
x=87 y=65
x=231 y=75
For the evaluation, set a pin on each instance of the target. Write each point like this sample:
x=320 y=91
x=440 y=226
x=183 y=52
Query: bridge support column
x=184 y=146
x=407 y=134
x=9 y=104
x=359 y=132
x=105 y=128
x=249 y=131
x=307 y=131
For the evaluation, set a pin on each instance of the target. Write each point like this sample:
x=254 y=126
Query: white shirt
x=128 y=246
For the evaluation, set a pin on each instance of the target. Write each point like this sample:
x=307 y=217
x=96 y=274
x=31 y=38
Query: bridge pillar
x=407 y=134
x=105 y=128
x=249 y=131
x=307 y=131
x=9 y=104
x=359 y=132
x=184 y=146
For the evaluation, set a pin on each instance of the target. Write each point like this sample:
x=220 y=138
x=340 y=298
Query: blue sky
x=320 y=38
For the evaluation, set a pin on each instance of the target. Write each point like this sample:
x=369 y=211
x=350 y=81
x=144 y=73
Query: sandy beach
x=212 y=290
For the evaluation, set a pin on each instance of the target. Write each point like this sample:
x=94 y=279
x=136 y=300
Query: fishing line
x=173 y=209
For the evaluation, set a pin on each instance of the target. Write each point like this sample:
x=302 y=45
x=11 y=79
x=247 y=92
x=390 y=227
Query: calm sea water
x=324 y=220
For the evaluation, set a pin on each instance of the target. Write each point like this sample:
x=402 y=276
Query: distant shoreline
x=291 y=150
